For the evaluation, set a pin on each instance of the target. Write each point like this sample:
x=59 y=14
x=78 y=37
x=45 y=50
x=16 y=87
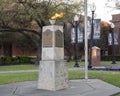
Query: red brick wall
x=16 y=51
x=116 y=21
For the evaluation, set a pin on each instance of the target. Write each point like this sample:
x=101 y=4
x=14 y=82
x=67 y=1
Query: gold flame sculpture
x=54 y=17
x=60 y=15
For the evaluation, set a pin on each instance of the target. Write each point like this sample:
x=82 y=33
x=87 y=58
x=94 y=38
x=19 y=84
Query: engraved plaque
x=47 y=38
x=59 y=39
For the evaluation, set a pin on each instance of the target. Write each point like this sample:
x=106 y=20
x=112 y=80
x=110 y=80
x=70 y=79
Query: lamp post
x=113 y=46
x=93 y=8
x=76 y=41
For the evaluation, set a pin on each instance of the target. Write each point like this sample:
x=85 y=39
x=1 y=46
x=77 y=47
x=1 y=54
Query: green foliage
x=109 y=58
x=27 y=17
x=16 y=13
x=23 y=59
x=15 y=60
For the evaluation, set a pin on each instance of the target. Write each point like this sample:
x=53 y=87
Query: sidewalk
x=18 y=71
x=102 y=67
x=91 y=87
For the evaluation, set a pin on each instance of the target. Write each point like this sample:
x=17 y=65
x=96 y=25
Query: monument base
x=52 y=75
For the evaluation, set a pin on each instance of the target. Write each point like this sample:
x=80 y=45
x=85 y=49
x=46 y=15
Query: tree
x=28 y=17
x=114 y=4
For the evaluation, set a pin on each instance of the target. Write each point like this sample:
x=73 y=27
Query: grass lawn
x=71 y=64
x=112 y=77
x=117 y=95
x=108 y=76
x=18 y=67
x=17 y=77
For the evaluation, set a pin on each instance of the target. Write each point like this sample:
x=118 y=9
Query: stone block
x=52 y=75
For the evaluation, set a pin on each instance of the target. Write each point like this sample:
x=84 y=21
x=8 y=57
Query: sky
x=102 y=12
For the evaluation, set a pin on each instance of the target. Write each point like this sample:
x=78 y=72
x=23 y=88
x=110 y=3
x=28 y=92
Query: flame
x=57 y=15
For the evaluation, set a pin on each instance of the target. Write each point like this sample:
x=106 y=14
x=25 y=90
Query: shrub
x=15 y=60
x=109 y=58
x=24 y=59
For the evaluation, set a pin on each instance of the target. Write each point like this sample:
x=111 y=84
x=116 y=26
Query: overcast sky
x=102 y=11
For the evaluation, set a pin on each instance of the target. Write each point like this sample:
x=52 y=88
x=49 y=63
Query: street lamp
x=76 y=41
x=93 y=8
x=113 y=46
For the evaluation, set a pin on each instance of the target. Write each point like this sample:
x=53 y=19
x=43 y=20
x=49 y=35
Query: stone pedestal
x=52 y=72
x=95 y=56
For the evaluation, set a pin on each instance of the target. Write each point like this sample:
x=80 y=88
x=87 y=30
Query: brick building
x=116 y=21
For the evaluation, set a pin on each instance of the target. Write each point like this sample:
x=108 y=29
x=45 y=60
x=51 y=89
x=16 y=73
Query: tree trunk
x=39 y=49
x=69 y=56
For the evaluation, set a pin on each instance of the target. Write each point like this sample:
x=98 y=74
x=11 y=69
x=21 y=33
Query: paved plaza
x=90 y=87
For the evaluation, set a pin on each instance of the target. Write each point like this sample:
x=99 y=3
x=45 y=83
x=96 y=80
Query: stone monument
x=95 y=56
x=52 y=72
